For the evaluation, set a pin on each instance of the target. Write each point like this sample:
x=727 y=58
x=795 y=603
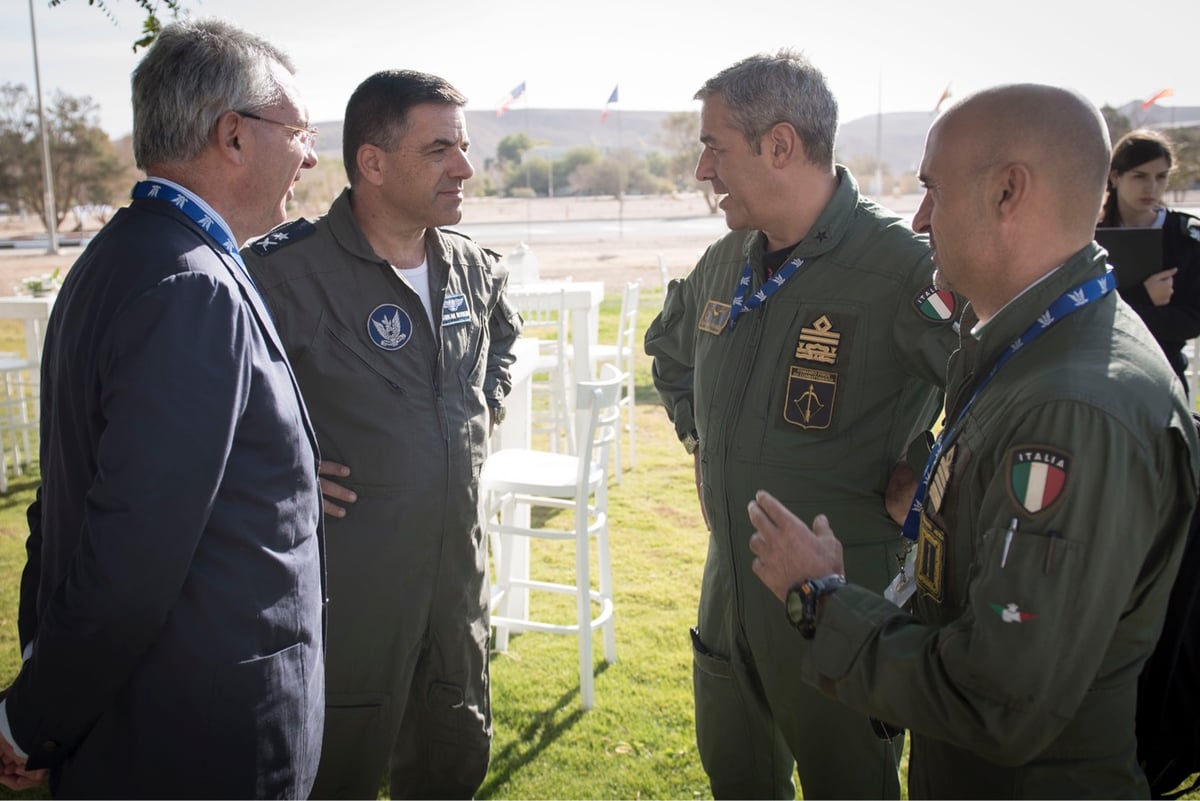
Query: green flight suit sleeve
x=925 y=342
x=671 y=342
x=504 y=326
x=1038 y=626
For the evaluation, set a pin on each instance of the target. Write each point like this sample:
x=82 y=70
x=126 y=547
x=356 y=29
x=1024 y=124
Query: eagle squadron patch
x=389 y=326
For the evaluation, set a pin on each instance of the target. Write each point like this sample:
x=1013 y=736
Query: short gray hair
x=193 y=73
x=766 y=89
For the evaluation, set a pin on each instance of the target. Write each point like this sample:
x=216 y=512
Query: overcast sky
x=898 y=56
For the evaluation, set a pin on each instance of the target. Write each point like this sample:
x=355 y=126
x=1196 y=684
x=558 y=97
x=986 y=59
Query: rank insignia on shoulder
x=282 y=236
x=935 y=304
x=715 y=317
x=1037 y=476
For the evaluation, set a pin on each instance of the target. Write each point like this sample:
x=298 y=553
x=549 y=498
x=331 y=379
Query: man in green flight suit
x=1051 y=519
x=401 y=336
x=803 y=353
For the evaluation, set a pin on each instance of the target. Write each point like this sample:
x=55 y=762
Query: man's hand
x=13 y=774
x=901 y=488
x=332 y=491
x=1161 y=286
x=786 y=551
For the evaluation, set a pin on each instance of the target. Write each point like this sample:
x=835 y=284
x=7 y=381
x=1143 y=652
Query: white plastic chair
x=621 y=354
x=545 y=316
x=514 y=478
x=18 y=414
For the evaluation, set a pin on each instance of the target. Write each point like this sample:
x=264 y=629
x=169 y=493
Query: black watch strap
x=802 y=602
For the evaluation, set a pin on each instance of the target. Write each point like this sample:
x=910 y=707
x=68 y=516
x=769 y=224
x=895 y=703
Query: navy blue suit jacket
x=174 y=592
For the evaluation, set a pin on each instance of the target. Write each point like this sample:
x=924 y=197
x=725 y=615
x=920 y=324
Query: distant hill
x=901 y=142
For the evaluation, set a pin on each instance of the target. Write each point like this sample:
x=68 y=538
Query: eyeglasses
x=308 y=136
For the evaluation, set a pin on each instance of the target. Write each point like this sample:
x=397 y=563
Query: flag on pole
x=945 y=96
x=510 y=98
x=611 y=99
x=1161 y=95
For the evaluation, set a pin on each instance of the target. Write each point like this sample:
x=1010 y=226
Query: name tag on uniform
x=455 y=310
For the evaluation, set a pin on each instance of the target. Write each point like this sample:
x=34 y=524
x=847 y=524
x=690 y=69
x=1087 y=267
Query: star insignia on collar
x=822 y=236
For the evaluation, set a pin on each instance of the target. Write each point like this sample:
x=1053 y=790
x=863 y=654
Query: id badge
x=904 y=584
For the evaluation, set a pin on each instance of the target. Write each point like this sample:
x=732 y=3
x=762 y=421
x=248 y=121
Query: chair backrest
x=543 y=314
x=627 y=339
x=597 y=418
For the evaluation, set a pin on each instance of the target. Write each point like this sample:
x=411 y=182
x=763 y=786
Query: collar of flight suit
x=827 y=232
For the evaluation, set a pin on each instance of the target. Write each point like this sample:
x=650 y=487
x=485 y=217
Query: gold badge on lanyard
x=714 y=318
x=931 y=559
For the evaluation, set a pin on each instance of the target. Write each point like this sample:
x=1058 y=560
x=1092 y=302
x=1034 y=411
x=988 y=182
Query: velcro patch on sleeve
x=1037 y=476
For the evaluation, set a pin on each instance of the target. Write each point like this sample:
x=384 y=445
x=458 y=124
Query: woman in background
x=1169 y=300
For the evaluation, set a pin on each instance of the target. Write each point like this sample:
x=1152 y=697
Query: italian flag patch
x=935 y=304
x=1037 y=476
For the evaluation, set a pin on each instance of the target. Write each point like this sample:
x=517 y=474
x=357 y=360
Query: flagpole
x=620 y=182
x=51 y=211
x=879 y=141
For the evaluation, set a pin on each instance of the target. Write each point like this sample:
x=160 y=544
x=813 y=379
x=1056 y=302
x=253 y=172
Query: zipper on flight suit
x=741 y=376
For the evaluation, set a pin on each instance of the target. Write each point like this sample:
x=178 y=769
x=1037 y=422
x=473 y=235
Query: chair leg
x=606 y=591
x=632 y=424
x=583 y=616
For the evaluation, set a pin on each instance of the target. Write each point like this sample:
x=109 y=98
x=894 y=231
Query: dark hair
x=377 y=112
x=1133 y=150
x=769 y=88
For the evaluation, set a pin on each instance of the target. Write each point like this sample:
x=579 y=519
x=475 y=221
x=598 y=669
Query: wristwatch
x=802 y=602
x=691 y=442
x=498 y=412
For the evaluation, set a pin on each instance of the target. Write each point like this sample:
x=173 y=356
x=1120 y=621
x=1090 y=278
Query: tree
x=681 y=137
x=150 y=26
x=86 y=167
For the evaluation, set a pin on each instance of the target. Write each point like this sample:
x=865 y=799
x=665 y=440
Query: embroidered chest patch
x=810 y=397
x=455 y=310
x=389 y=326
x=714 y=317
x=1037 y=476
x=819 y=342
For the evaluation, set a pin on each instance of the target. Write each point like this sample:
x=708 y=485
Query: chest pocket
x=339 y=354
x=812 y=383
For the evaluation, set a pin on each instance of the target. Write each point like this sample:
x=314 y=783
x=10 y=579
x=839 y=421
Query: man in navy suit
x=171 y=609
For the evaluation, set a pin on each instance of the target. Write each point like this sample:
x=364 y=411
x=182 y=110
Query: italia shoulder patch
x=283 y=236
x=936 y=305
x=1037 y=476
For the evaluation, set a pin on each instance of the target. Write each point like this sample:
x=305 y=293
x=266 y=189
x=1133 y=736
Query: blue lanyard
x=741 y=304
x=187 y=203
x=1072 y=300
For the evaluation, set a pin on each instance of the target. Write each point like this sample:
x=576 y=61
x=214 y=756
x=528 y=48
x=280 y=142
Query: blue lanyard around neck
x=1070 y=301
x=186 y=203
x=742 y=304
